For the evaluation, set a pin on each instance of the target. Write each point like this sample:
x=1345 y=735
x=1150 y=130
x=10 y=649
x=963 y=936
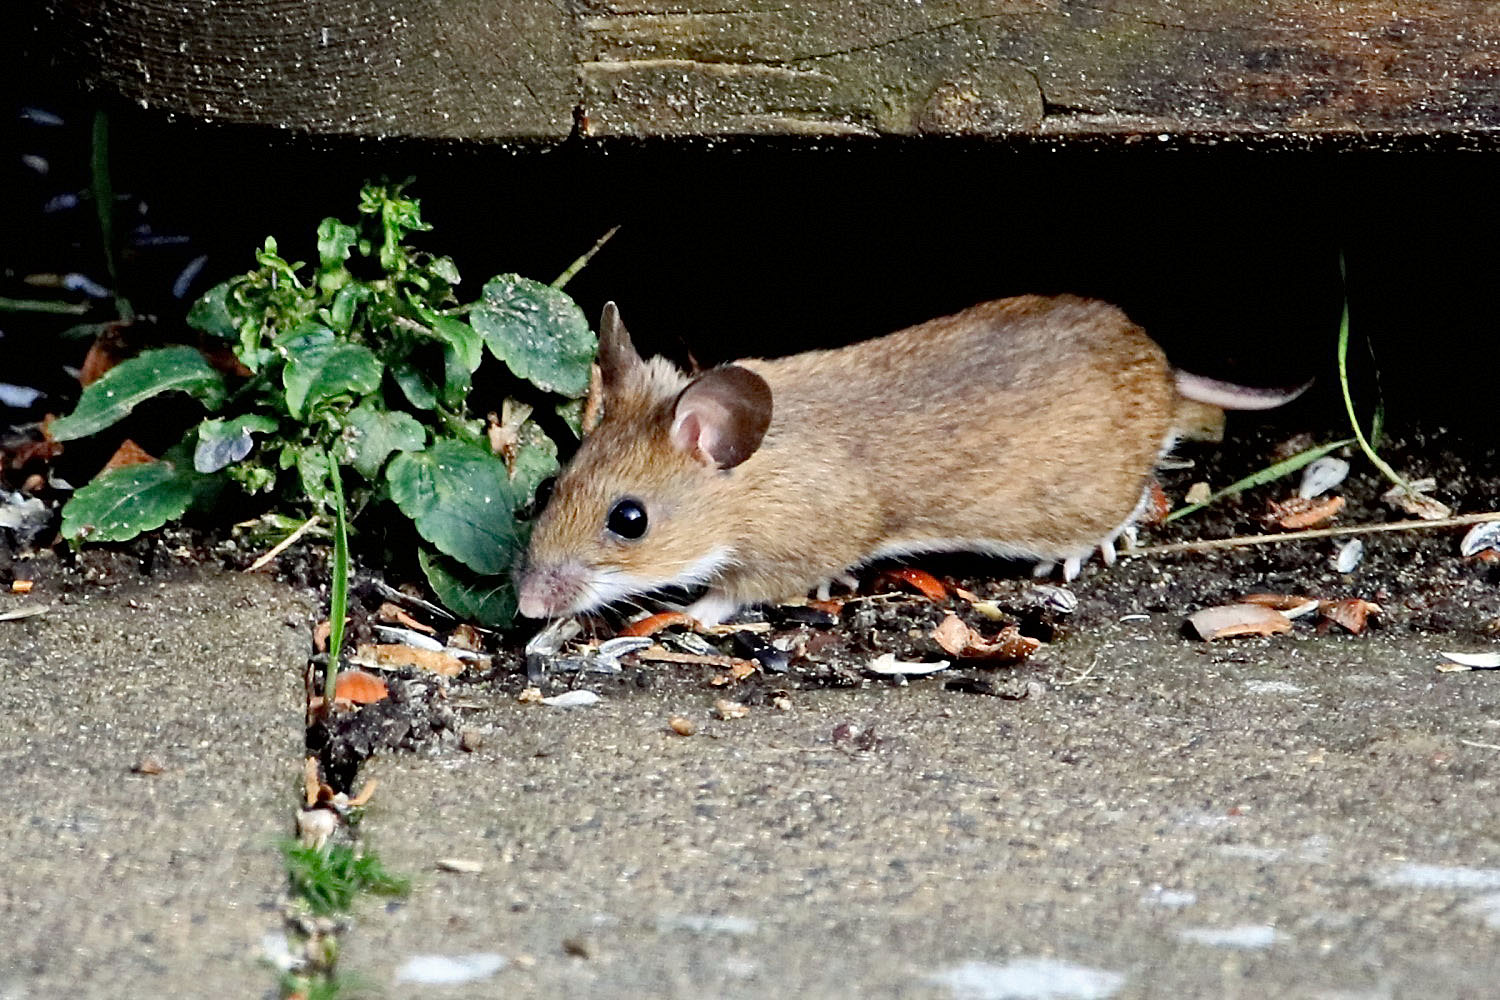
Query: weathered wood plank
x=459 y=69
x=527 y=69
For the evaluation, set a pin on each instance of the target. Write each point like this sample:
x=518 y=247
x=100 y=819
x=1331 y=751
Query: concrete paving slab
x=119 y=884
x=1301 y=817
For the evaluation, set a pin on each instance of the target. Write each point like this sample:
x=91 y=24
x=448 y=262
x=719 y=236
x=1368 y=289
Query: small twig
x=284 y=544
x=1242 y=541
x=578 y=265
x=1482 y=746
x=1083 y=676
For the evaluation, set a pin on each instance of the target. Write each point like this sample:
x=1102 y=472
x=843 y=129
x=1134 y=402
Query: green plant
x=365 y=374
x=329 y=878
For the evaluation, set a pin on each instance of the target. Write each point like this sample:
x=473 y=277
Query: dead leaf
x=389 y=612
x=398 y=655
x=129 y=453
x=1156 y=507
x=656 y=623
x=1291 y=605
x=148 y=764
x=359 y=687
x=1414 y=500
x=1228 y=620
x=919 y=580
x=964 y=642
x=730 y=709
x=1297 y=513
x=1350 y=613
x=104 y=353
x=28 y=450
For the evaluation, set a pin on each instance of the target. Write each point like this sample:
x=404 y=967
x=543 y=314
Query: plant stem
x=43 y=306
x=1359 y=434
x=104 y=203
x=338 y=598
x=578 y=265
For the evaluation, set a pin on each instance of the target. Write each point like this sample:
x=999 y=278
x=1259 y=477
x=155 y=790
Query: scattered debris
x=1350 y=613
x=1458 y=662
x=1050 y=597
x=1347 y=557
x=726 y=709
x=1413 y=499
x=964 y=642
x=25 y=611
x=407 y=637
x=1228 y=620
x=664 y=655
x=359 y=687
x=21 y=586
x=887 y=665
x=388 y=655
x=389 y=612
x=1291 y=605
x=149 y=764
x=1297 y=513
x=1480 y=538
x=859 y=737
x=460 y=866
x=682 y=726
x=919 y=580
x=1321 y=476
x=1197 y=494
x=449 y=970
x=652 y=624
x=582 y=698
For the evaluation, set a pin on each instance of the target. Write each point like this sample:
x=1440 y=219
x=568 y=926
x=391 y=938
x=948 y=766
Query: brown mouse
x=1027 y=427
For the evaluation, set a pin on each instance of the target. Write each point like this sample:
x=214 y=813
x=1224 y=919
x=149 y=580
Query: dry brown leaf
x=389 y=612
x=962 y=641
x=396 y=654
x=1297 y=513
x=919 y=580
x=310 y=781
x=1228 y=620
x=359 y=687
x=321 y=632
x=656 y=623
x=1350 y=613
x=1157 y=506
x=103 y=354
x=129 y=453
x=727 y=709
x=466 y=636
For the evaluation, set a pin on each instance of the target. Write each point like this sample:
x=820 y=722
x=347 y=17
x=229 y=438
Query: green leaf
x=571 y=412
x=462 y=337
x=340 y=315
x=536 y=459
x=313 y=468
x=538 y=331
x=488 y=600
x=132 y=382
x=460 y=499
x=212 y=312
x=223 y=442
x=334 y=241
x=122 y=503
x=414 y=386
x=320 y=371
x=374 y=432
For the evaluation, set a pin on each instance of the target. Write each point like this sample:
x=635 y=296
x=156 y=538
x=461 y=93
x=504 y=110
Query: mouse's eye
x=628 y=518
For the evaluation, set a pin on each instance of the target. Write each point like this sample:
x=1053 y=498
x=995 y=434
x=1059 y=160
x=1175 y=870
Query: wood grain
x=531 y=69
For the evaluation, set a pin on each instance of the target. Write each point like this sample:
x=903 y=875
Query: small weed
x=362 y=365
x=329 y=878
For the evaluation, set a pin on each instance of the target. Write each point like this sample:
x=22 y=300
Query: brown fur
x=1026 y=426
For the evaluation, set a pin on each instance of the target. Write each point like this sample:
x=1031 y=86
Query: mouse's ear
x=617 y=356
x=721 y=417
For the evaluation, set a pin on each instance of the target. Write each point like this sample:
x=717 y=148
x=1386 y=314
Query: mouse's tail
x=1229 y=396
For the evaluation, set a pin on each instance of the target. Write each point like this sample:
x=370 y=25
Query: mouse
x=1025 y=428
